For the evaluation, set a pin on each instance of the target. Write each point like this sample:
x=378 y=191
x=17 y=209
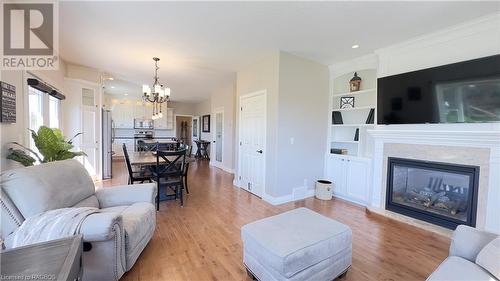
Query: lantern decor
x=355 y=83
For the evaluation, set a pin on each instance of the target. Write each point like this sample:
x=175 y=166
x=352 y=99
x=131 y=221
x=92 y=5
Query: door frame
x=237 y=181
x=213 y=149
x=190 y=131
x=98 y=122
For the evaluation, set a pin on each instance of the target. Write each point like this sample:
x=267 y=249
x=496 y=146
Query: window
x=35 y=111
x=35 y=108
x=54 y=112
x=43 y=109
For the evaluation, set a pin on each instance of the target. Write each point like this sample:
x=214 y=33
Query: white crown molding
x=444 y=35
x=369 y=61
x=82 y=81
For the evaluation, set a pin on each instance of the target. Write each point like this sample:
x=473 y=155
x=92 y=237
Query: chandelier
x=157 y=95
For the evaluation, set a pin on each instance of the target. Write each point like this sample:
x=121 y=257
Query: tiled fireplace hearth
x=440 y=193
x=462 y=187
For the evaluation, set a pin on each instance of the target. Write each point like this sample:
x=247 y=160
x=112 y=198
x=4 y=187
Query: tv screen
x=464 y=92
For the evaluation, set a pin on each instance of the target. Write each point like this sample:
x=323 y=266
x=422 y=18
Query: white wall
x=225 y=98
x=263 y=75
x=297 y=104
x=302 y=107
x=204 y=108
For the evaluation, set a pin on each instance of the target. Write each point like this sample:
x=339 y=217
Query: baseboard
x=298 y=193
x=225 y=169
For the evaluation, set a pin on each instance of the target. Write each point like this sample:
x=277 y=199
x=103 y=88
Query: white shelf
x=355 y=93
x=346 y=141
x=352 y=125
x=355 y=108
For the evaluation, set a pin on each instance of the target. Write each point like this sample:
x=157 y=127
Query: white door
x=218 y=138
x=357 y=175
x=90 y=135
x=252 y=136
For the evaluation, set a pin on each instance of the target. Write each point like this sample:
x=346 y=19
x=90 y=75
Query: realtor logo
x=30 y=35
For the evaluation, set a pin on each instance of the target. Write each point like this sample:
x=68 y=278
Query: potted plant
x=51 y=146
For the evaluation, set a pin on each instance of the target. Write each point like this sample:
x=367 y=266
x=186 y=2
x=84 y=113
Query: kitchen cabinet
x=123 y=115
x=125 y=112
x=350 y=177
x=166 y=122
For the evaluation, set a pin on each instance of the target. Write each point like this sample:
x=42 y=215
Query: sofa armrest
x=101 y=226
x=126 y=195
x=467 y=242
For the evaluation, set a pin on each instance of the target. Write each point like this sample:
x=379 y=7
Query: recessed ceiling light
x=355 y=46
x=112 y=87
x=126 y=94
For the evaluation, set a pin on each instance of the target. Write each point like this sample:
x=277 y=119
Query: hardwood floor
x=201 y=241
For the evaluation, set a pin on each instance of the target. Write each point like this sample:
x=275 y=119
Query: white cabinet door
x=169 y=120
x=338 y=171
x=139 y=111
x=123 y=115
x=357 y=175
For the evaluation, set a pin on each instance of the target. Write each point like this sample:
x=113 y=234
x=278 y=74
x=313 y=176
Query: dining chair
x=189 y=149
x=140 y=175
x=169 y=173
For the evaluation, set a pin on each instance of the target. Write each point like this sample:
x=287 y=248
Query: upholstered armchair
x=117 y=234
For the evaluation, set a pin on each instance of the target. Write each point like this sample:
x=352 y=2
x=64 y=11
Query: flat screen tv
x=464 y=92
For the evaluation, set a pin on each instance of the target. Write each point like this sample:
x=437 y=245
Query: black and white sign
x=7 y=103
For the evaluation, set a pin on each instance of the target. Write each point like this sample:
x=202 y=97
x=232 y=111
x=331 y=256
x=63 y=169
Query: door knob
x=259 y=151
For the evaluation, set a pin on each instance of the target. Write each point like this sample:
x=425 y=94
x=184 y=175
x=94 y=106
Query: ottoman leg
x=250 y=274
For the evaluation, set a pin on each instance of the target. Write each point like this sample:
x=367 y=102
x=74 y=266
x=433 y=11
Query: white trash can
x=324 y=190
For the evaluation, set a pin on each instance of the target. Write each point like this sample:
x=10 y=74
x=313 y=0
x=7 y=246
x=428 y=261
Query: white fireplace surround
x=485 y=137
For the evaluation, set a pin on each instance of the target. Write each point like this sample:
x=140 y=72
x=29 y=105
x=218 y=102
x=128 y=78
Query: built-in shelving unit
x=367 y=91
x=355 y=118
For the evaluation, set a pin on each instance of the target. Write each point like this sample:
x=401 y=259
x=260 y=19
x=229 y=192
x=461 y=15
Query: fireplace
x=440 y=193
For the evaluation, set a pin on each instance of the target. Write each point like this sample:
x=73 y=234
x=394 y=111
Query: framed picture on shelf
x=346 y=102
x=205 y=122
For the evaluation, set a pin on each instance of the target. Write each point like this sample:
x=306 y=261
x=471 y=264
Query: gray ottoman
x=296 y=245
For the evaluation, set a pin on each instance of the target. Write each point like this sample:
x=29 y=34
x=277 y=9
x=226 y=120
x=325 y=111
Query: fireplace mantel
x=442 y=138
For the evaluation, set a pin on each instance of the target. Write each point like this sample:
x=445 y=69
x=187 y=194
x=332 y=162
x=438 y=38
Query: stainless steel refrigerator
x=107 y=144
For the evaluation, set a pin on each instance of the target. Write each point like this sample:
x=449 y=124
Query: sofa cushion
x=48 y=186
x=295 y=240
x=139 y=220
x=459 y=269
x=489 y=258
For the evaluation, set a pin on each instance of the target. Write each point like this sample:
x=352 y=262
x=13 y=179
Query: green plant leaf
x=47 y=143
x=51 y=144
x=28 y=149
x=21 y=156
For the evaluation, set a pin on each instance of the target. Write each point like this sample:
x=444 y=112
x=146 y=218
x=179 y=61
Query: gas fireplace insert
x=444 y=194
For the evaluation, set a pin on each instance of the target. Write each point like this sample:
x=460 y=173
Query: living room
x=264 y=141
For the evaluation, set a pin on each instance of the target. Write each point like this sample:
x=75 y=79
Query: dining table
x=144 y=158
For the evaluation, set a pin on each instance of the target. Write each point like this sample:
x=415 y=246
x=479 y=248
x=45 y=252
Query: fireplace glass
x=435 y=192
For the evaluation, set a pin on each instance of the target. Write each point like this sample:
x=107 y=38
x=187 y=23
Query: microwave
x=140 y=123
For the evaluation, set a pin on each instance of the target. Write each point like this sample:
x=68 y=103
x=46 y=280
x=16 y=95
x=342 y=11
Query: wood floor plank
x=201 y=241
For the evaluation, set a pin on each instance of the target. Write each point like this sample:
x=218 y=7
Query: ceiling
x=203 y=44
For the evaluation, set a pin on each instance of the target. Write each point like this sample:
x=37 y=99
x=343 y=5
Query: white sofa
x=117 y=234
x=474 y=256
